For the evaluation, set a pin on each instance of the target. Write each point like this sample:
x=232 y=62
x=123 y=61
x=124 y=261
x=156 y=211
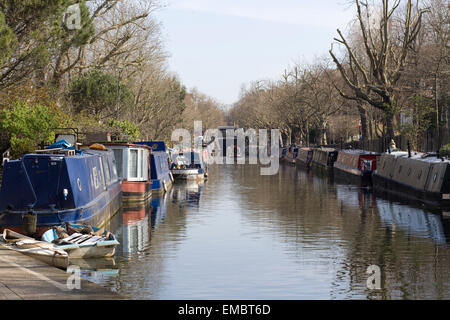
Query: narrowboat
x=421 y=177
x=304 y=158
x=324 y=157
x=161 y=177
x=54 y=186
x=134 y=168
x=291 y=154
x=357 y=166
x=188 y=166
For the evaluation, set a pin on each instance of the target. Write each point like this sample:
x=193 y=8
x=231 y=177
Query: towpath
x=25 y=278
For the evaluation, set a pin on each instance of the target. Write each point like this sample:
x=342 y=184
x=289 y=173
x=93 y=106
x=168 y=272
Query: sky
x=217 y=46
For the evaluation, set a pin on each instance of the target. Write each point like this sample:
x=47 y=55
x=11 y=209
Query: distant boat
x=357 y=164
x=324 y=157
x=40 y=250
x=291 y=154
x=161 y=176
x=188 y=165
x=101 y=244
x=59 y=185
x=304 y=158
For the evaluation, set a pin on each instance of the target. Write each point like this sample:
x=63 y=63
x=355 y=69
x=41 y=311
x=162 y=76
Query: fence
x=431 y=142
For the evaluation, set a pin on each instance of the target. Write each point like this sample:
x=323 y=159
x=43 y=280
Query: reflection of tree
x=304 y=211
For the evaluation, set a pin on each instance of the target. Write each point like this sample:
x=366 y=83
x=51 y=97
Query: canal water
x=295 y=235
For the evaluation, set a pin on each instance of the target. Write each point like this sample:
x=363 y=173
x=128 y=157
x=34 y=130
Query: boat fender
x=171 y=177
x=165 y=186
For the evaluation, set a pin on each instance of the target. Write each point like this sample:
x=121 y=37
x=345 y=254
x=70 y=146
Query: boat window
x=95 y=176
x=133 y=164
x=106 y=169
x=141 y=164
x=118 y=154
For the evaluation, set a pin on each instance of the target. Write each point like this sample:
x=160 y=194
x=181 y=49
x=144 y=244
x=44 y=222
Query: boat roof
x=417 y=156
x=359 y=151
x=126 y=144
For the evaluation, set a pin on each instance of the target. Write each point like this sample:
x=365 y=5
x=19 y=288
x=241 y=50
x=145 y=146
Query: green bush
x=29 y=126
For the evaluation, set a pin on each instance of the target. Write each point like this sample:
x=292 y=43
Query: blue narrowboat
x=51 y=187
x=159 y=162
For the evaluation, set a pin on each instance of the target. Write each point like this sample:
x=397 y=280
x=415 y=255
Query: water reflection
x=296 y=235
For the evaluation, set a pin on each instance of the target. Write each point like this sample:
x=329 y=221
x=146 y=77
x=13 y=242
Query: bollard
x=29 y=222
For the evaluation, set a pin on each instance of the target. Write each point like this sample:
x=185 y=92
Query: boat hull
x=136 y=191
x=391 y=187
x=95 y=213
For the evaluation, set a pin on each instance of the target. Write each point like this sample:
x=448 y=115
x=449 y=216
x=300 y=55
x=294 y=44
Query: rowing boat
x=40 y=250
x=97 y=244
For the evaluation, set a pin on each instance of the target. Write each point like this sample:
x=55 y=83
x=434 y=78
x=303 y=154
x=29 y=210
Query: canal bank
x=25 y=278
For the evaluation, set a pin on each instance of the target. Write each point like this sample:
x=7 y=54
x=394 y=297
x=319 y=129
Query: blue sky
x=219 y=45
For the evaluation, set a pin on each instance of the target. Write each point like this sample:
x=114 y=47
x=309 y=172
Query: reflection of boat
x=160 y=174
x=101 y=244
x=136 y=230
x=412 y=220
x=159 y=210
x=96 y=270
x=188 y=195
x=354 y=196
x=188 y=165
x=40 y=250
x=133 y=167
x=59 y=187
x=419 y=177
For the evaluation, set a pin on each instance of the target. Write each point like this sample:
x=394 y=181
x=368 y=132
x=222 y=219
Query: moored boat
x=133 y=167
x=161 y=177
x=54 y=186
x=291 y=154
x=40 y=250
x=324 y=157
x=72 y=238
x=188 y=166
x=304 y=158
x=421 y=177
x=357 y=164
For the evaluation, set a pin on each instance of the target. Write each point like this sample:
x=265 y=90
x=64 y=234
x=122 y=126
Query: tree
x=372 y=72
x=100 y=94
x=29 y=126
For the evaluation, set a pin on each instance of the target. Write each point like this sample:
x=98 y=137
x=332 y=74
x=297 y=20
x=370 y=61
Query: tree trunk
x=364 y=125
x=390 y=126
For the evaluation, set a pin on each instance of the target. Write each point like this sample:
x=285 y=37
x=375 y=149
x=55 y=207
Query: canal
x=295 y=235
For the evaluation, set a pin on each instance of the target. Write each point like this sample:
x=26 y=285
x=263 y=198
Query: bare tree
x=373 y=73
